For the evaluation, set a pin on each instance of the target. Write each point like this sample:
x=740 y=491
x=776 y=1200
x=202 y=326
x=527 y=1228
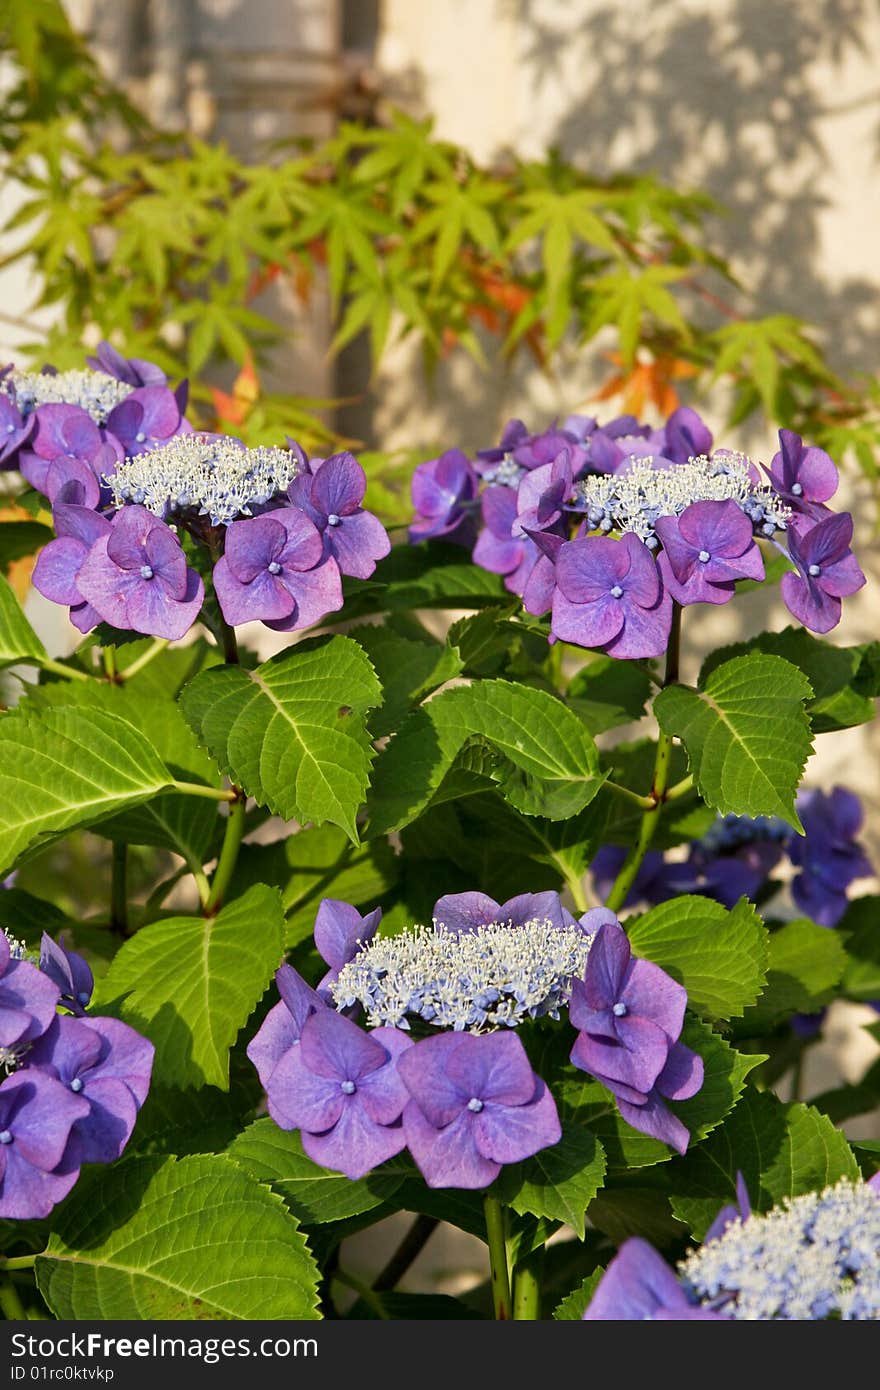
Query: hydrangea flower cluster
x=128 y=477
x=74 y=1082
x=811 y=1258
x=604 y=527
x=440 y=1070
x=737 y=855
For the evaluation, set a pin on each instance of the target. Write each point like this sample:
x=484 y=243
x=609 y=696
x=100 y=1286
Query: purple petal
x=65 y=429
x=299 y=1099
x=152 y=612
x=447 y=1157
x=102 y=1135
x=27 y=992
x=593 y=624
x=67 y=472
x=80 y=522
x=126 y=545
x=842 y=578
x=161 y=413
x=355 y=1144
x=67 y=1048
x=645 y=631
x=357 y=543
x=166 y=559
x=45 y=1110
x=56 y=569
x=340 y=931
x=251 y=545
x=650 y=993
x=492 y=1067
x=654 y=1119
x=126 y=1056
x=808 y=603
x=334 y=1047
x=510 y=1133
x=607 y=963
x=339 y=485
x=642 y=582
x=465 y=912
x=382 y=1092
x=260 y=600
x=686 y=435
x=316 y=593
x=30 y=1193
x=637 y=1284
x=424 y=1070
x=637 y=1060
x=588 y=569
x=683 y=1074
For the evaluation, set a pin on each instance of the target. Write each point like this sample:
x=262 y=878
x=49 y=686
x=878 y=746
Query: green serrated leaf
x=781 y=1151
x=607 y=693
x=550 y=762
x=292 y=732
x=178 y=1239
x=719 y=956
x=191 y=983
x=860 y=928
x=314 y=1194
x=746 y=733
x=559 y=1182
x=18 y=641
x=575 y=1304
x=805 y=965
x=407 y=671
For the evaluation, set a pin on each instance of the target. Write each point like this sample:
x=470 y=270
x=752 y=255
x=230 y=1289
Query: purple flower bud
x=69 y=972
x=443 y=493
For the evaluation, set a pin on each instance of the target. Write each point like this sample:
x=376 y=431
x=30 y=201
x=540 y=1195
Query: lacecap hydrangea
x=605 y=527
x=436 y=1066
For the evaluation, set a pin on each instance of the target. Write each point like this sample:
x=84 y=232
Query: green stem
x=681 y=788
x=230 y=645
x=228 y=851
x=119 y=890
x=144 y=659
x=59 y=669
x=527 y=1287
x=576 y=889
x=371 y=1299
x=645 y=802
x=410 y=1247
x=11 y=1304
x=18 y=1262
x=496 y=1233
x=200 y=789
x=797 y=1079
x=110 y=663
x=657 y=795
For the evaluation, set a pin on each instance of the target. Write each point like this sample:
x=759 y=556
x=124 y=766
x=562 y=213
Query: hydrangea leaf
x=292 y=732
x=176 y=1239
x=18 y=641
x=746 y=733
x=434 y=574
x=719 y=956
x=314 y=1194
x=632 y=765
x=781 y=1151
x=19 y=539
x=185 y=824
x=843 y=679
x=861 y=926
x=550 y=762
x=193 y=1122
x=804 y=966
x=407 y=671
x=725 y=1078
x=575 y=1304
x=559 y=1182
x=190 y=983
x=607 y=692
x=69 y=767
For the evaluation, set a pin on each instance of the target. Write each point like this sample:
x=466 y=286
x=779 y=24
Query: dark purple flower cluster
x=604 y=527
x=74 y=1082
x=464 y=1100
x=737 y=855
x=126 y=476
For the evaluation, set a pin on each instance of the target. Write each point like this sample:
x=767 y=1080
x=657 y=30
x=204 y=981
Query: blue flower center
x=334 y=520
x=620 y=1010
x=814 y=570
x=10 y=429
x=347 y=1088
x=146 y=572
x=475 y=1105
x=274 y=567
x=705 y=557
x=76 y=1084
x=616 y=591
x=140 y=436
x=797 y=489
x=5 y=1136
x=84 y=996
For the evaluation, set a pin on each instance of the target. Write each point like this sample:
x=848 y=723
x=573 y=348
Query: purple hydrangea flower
x=137 y=577
x=639 y=1286
x=443 y=493
x=467 y=912
x=803 y=476
x=340 y=932
x=705 y=550
x=342 y=1089
x=58 y=563
x=610 y=595
x=108 y=1065
x=740 y=1210
x=686 y=436
x=134 y=371
x=476 y=1105
x=15 y=430
x=69 y=971
x=146 y=419
x=515 y=432
x=539 y=450
x=67 y=432
x=656 y=881
x=827 y=572
x=829 y=855
x=27 y=999
x=629 y=1014
x=37 y=1114
x=331 y=497
x=282 y=1027
x=273 y=570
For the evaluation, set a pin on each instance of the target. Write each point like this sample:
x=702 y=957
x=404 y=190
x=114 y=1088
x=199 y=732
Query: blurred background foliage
x=163 y=243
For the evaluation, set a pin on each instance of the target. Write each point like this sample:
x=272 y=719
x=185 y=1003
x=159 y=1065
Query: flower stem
x=681 y=788
x=371 y=1299
x=119 y=890
x=59 y=669
x=657 y=795
x=527 y=1287
x=10 y=1302
x=496 y=1233
x=144 y=659
x=201 y=789
x=230 y=644
x=645 y=802
x=228 y=852
x=18 y=1262
x=110 y=664
x=410 y=1247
